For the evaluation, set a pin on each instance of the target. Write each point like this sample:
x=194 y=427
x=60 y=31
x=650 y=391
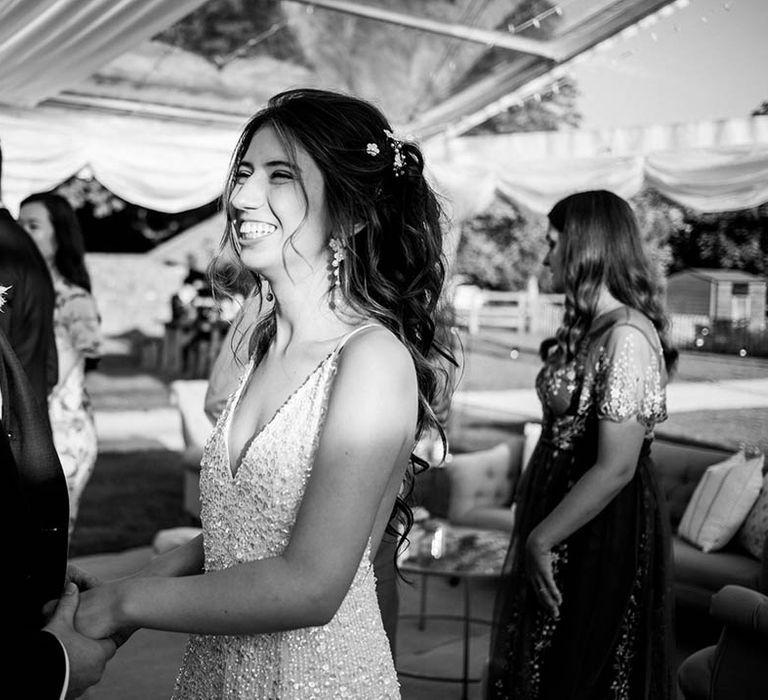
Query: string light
x=536 y=20
x=535 y=92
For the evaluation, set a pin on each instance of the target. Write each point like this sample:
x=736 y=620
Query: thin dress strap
x=353 y=333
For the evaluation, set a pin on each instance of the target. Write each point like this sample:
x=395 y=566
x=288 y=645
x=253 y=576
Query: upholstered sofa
x=477 y=491
x=734 y=668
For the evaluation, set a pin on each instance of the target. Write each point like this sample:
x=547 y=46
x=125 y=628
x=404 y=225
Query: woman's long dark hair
x=70 y=247
x=389 y=219
x=601 y=245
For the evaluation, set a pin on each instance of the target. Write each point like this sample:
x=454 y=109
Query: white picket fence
x=520 y=312
x=539 y=314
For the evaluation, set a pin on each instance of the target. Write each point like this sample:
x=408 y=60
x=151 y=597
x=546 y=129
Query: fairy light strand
x=534 y=90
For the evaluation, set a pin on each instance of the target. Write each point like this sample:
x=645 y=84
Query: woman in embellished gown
x=51 y=222
x=583 y=607
x=330 y=213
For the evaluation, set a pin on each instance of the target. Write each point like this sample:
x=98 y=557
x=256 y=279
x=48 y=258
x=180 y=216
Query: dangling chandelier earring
x=337 y=247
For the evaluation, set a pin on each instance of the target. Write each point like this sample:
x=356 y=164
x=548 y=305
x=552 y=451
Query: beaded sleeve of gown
x=250 y=516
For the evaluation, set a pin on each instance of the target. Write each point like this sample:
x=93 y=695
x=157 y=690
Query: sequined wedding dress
x=250 y=516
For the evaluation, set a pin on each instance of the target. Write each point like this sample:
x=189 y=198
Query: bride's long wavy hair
x=601 y=244
x=390 y=221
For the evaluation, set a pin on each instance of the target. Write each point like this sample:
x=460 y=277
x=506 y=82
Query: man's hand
x=82 y=579
x=87 y=657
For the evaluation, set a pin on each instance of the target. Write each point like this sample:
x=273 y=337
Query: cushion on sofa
x=483 y=479
x=721 y=501
x=678 y=468
x=712 y=570
x=751 y=536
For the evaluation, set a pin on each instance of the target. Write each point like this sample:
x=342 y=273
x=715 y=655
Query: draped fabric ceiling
x=708 y=166
x=172 y=165
x=49 y=45
x=158 y=164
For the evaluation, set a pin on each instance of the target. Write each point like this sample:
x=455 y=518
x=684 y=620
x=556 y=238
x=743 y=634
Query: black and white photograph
x=384 y=349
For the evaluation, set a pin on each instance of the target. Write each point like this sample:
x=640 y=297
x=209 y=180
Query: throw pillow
x=721 y=501
x=482 y=479
x=755 y=528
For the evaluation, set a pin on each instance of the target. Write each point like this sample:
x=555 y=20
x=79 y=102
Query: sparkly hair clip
x=398 y=160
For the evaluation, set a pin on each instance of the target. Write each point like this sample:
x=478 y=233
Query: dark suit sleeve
x=38 y=662
x=27 y=316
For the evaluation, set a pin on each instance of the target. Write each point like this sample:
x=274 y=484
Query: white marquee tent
x=173 y=161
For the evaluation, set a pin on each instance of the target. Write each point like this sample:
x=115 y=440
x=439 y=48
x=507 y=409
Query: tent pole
x=489 y=37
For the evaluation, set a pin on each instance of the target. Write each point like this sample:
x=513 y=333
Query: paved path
x=161 y=427
x=523 y=404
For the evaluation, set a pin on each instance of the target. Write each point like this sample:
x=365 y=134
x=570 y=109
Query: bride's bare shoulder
x=376 y=355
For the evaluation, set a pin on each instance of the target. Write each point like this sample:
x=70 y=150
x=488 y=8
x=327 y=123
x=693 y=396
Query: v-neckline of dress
x=236 y=402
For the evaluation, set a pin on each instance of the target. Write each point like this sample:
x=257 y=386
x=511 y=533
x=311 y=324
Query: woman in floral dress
x=51 y=222
x=583 y=611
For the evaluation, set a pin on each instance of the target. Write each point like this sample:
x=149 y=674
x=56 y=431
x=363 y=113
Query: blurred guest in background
x=199 y=321
x=51 y=222
x=583 y=609
x=27 y=316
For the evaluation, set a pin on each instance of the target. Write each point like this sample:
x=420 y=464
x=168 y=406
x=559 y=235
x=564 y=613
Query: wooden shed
x=722 y=295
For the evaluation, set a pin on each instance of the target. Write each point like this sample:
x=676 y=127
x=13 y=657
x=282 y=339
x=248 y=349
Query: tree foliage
x=221 y=30
x=660 y=220
x=678 y=238
x=730 y=240
x=501 y=248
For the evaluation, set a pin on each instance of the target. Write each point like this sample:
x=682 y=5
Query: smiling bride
x=329 y=213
